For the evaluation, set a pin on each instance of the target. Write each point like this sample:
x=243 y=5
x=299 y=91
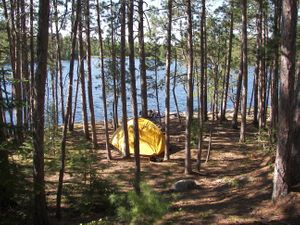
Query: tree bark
x=103 y=82
x=82 y=80
x=245 y=71
x=189 y=106
x=90 y=80
x=31 y=61
x=224 y=108
x=281 y=180
x=262 y=72
x=167 y=90
x=234 y=123
x=274 y=89
x=123 y=77
x=67 y=114
x=144 y=101
x=295 y=154
x=59 y=63
x=40 y=209
x=134 y=98
x=25 y=71
x=114 y=71
x=174 y=87
x=202 y=59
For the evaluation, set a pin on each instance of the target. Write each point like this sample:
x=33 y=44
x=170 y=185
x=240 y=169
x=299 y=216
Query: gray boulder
x=184 y=185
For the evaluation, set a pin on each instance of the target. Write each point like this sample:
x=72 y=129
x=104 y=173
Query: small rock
x=184 y=185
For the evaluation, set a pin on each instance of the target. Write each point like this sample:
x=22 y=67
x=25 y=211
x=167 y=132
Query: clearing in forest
x=233 y=187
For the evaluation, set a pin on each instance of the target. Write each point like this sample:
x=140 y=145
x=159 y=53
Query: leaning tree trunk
x=67 y=115
x=189 y=106
x=168 y=68
x=281 y=181
x=39 y=195
x=134 y=98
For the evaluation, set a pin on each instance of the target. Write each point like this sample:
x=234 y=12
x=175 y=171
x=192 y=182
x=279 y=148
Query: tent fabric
x=152 y=140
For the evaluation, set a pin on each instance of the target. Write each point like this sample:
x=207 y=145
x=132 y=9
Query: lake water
x=97 y=92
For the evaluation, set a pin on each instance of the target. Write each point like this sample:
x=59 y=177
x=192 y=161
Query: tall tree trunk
x=256 y=73
x=262 y=72
x=202 y=59
x=31 y=61
x=295 y=154
x=205 y=90
x=18 y=87
x=223 y=112
x=189 y=106
x=133 y=97
x=200 y=124
x=75 y=99
x=114 y=70
x=89 y=67
x=103 y=82
x=281 y=181
x=234 y=123
x=144 y=101
x=68 y=109
x=82 y=80
x=25 y=71
x=274 y=89
x=40 y=209
x=58 y=50
x=245 y=72
x=123 y=77
x=168 y=74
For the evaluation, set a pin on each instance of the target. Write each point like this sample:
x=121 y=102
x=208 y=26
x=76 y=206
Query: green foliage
x=15 y=193
x=195 y=129
x=92 y=197
x=146 y=208
x=264 y=137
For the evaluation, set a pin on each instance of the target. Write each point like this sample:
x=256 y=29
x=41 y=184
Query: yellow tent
x=152 y=140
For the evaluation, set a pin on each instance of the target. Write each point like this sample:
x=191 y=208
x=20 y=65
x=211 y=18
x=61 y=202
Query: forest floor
x=233 y=187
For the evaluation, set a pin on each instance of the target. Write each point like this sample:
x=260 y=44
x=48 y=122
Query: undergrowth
x=146 y=208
